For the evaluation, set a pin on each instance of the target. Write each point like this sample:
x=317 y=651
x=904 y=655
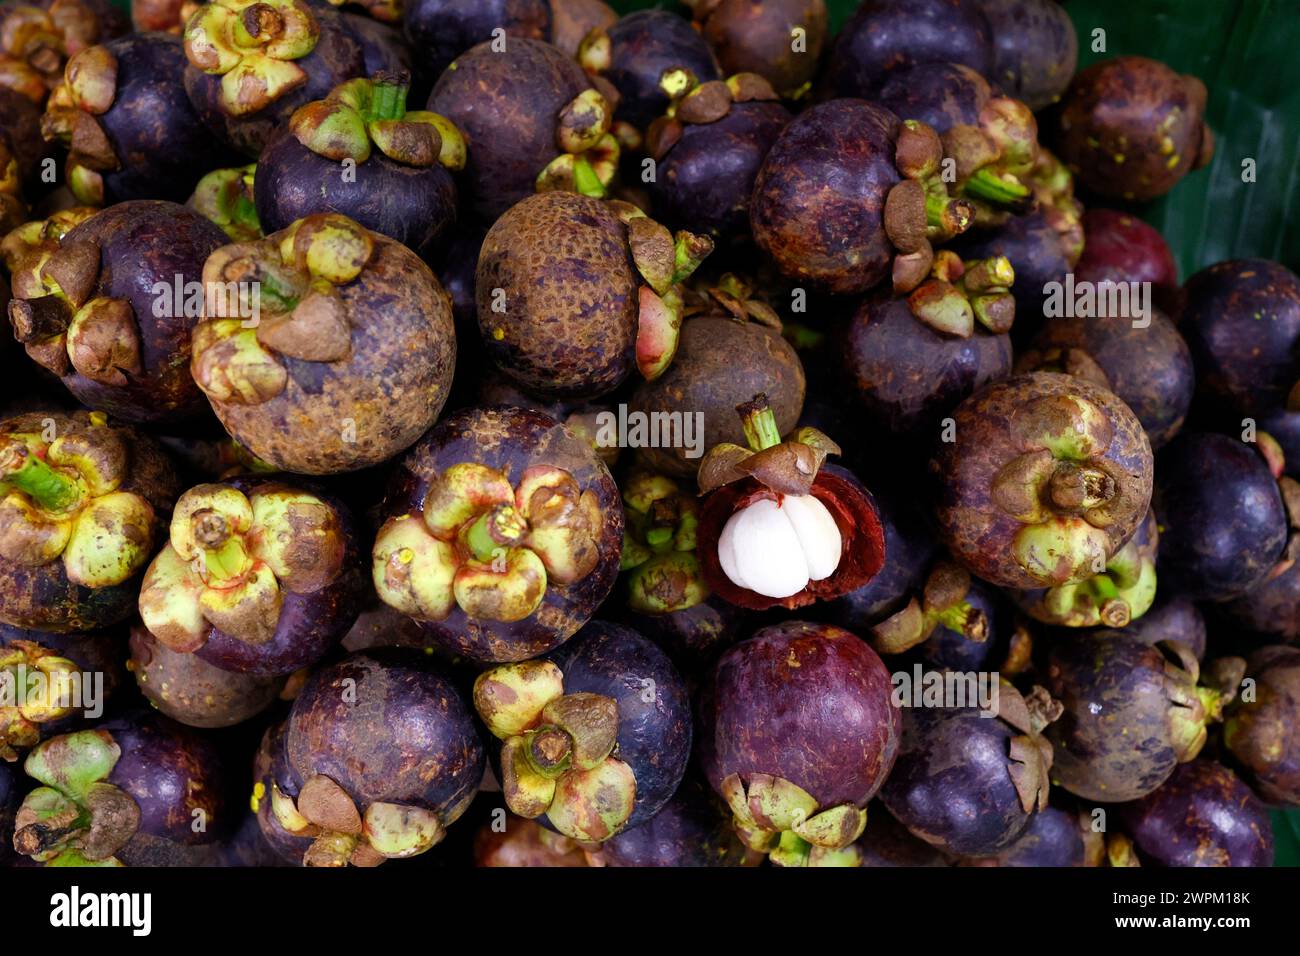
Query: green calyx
x=958 y=294
x=943 y=603
x=995 y=156
x=777 y=817
x=659 y=546
x=1113 y=598
x=589 y=151
x=225 y=197
x=42 y=684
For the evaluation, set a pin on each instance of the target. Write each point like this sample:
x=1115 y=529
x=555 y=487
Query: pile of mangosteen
x=534 y=433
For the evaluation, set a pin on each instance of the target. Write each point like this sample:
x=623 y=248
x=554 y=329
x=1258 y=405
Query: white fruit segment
x=775 y=549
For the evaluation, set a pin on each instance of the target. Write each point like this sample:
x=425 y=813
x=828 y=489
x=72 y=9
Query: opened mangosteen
x=83 y=504
x=1046 y=478
x=1202 y=816
x=137 y=791
x=1130 y=128
x=848 y=195
x=708 y=150
x=37 y=38
x=363 y=793
x=225 y=197
x=659 y=537
x=502 y=536
x=399 y=184
x=251 y=66
x=574 y=293
x=1035 y=49
x=258 y=577
x=314 y=316
x=532 y=121
x=780 y=40
x=693 y=829
x=441 y=30
x=779 y=528
x=595 y=740
x=193 y=692
x=798 y=730
x=1223 y=521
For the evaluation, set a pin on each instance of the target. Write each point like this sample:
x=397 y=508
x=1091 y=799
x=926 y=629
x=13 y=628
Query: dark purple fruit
x=758 y=36
x=1054 y=837
x=887 y=843
x=942 y=95
x=1035 y=49
x=1203 y=816
x=693 y=829
x=1122 y=248
x=1260 y=729
x=695 y=636
x=1171 y=619
x=441 y=30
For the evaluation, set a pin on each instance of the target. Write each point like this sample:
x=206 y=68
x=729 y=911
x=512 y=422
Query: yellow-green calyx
x=76 y=817
x=774 y=816
x=995 y=156
x=62 y=500
x=342 y=833
x=40 y=236
x=692 y=102
x=225 y=197
x=295 y=275
x=559 y=751
x=42 y=683
x=88 y=89
x=1121 y=593
x=252 y=46
x=1062 y=489
x=230 y=558
x=958 y=294
x=362 y=113
x=943 y=603
x=659 y=546
x=589 y=152
x=485 y=547
x=389 y=11
x=1194 y=706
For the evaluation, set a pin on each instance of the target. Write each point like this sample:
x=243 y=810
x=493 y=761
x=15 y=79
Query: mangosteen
x=966 y=625
x=1122 y=248
x=193 y=692
x=363 y=793
x=110 y=305
x=780 y=40
x=1056 y=838
x=573 y=293
x=1259 y=730
x=85 y=503
x=693 y=637
x=383 y=45
x=315 y=315
x=1035 y=49
x=572 y=20
x=798 y=730
x=1130 y=128
x=887 y=843
x=708 y=151
x=1171 y=618
x=1271 y=607
x=660 y=522
x=532 y=121
x=969 y=780
x=693 y=829
x=136 y=791
x=225 y=198
x=1242 y=321
x=634 y=53
x=884 y=35
x=1046 y=478
x=941 y=95
x=441 y=30
x=258 y=577
x=595 y=739
x=502 y=536
x=130 y=129
x=1222 y=518
x=273 y=779
x=777 y=526
x=251 y=67
x=1202 y=816
x=37 y=37
x=848 y=195
x=524 y=843
x=399 y=182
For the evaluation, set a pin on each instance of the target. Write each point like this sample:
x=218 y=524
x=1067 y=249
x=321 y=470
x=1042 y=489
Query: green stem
x=387 y=101
x=759 y=422
x=493 y=531
x=988 y=185
x=585 y=180
x=52 y=490
x=227 y=562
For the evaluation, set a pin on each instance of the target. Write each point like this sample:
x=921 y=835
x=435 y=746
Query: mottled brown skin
x=819 y=198
x=391 y=387
x=1149 y=368
x=572 y=20
x=1261 y=735
x=754 y=36
x=42 y=598
x=721 y=363
x=142 y=243
x=970 y=524
x=1113 y=740
x=570 y=296
x=506 y=106
x=1131 y=128
x=192 y=691
x=512 y=440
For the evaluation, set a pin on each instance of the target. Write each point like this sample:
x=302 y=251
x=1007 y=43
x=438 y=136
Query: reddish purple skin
x=819 y=199
x=414 y=205
x=409 y=738
x=309 y=624
x=1113 y=742
x=654 y=738
x=1122 y=248
x=884 y=35
x=100 y=653
x=1223 y=524
x=1171 y=619
x=951 y=784
x=887 y=843
x=1261 y=734
x=942 y=95
x=642 y=46
x=143 y=243
x=905 y=375
x=511 y=440
x=441 y=30
x=1242 y=322
x=271 y=765
x=1035 y=49
x=1203 y=816
x=705 y=181
x=693 y=829
x=827 y=725
x=1051 y=839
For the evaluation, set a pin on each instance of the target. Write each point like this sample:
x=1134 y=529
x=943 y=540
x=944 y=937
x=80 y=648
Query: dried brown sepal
x=707 y=103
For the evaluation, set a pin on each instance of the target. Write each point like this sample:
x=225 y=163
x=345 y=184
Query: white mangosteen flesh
x=775 y=548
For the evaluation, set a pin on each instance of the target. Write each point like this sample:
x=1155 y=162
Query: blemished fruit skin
x=643 y=45
x=1035 y=49
x=692 y=829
